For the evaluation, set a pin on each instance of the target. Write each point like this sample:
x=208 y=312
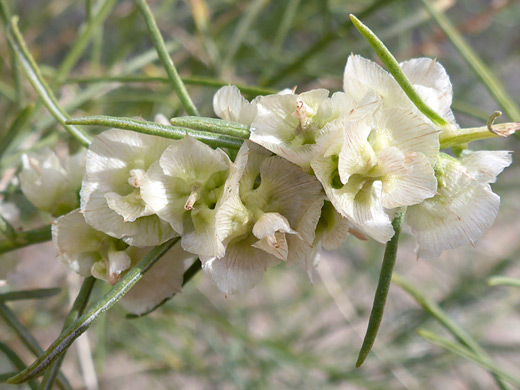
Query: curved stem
x=383 y=286
x=29 y=237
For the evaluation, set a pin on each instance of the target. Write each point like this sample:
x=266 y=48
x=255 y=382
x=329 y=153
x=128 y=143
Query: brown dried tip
x=503 y=129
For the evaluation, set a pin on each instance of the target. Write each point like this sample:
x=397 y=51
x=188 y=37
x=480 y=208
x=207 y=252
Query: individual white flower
x=289 y=124
x=184 y=187
x=116 y=163
x=375 y=164
x=50 y=183
x=268 y=213
x=87 y=251
x=230 y=105
x=428 y=77
x=465 y=206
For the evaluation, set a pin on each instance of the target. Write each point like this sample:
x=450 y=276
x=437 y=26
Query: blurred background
x=286 y=333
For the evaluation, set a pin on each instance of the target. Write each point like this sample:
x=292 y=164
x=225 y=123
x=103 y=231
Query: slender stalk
x=503 y=281
x=78 y=327
x=393 y=67
x=78 y=307
x=17 y=363
x=38 y=82
x=23 y=239
x=27 y=339
x=435 y=310
x=449 y=138
x=83 y=39
x=166 y=59
x=154 y=128
x=212 y=125
x=38 y=293
x=464 y=352
x=487 y=77
x=383 y=286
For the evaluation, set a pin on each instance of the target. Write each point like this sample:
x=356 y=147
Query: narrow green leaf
x=466 y=353
x=7 y=229
x=503 y=281
x=38 y=82
x=487 y=77
x=154 y=128
x=78 y=327
x=27 y=339
x=17 y=363
x=38 y=293
x=188 y=275
x=18 y=123
x=78 y=307
x=383 y=286
x=451 y=326
x=83 y=39
x=158 y=41
x=393 y=67
x=29 y=237
x=212 y=125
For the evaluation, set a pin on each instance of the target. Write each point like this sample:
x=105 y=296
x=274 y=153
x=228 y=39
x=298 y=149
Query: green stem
x=38 y=293
x=154 y=128
x=29 y=237
x=27 y=339
x=78 y=307
x=78 y=327
x=475 y=63
x=503 y=281
x=383 y=286
x=38 y=82
x=449 y=138
x=435 y=310
x=212 y=125
x=395 y=69
x=166 y=59
x=464 y=352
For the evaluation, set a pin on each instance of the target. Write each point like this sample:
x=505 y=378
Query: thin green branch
x=27 y=339
x=78 y=327
x=503 y=281
x=23 y=239
x=78 y=307
x=212 y=125
x=395 y=69
x=83 y=39
x=383 y=286
x=154 y=128
x=487 y=77
x=465 y=353
x=451 y=326
x=38 y=293
x=38 y=82
x=166 y=59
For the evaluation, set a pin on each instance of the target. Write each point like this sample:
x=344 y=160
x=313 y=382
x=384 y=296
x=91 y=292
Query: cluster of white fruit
x=315 y=168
